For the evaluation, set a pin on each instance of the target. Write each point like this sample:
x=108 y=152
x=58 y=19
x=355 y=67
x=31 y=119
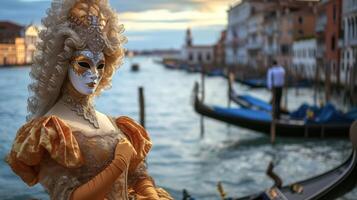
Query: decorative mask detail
x=86 y=71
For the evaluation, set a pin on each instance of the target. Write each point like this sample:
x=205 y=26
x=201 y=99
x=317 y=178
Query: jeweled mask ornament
x=86 y=71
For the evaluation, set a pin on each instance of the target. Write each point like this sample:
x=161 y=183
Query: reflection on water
x=179 y=158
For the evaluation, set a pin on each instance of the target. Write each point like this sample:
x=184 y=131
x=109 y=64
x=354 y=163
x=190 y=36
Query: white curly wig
x=58 y=42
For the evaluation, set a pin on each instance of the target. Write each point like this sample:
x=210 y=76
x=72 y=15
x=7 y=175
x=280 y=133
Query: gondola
x=260 y=121
x=327 y=186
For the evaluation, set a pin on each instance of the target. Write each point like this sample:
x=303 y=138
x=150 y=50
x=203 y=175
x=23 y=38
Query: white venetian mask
x=86 y=71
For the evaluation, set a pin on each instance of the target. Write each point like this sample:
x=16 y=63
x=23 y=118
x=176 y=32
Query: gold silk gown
x=62 y=157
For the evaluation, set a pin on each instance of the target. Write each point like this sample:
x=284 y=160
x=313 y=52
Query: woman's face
x=86 y=71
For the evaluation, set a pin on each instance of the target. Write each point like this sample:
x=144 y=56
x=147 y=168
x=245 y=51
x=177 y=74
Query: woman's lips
x=91 y=85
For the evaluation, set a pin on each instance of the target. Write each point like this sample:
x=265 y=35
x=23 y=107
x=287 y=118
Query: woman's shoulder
x=39 y=137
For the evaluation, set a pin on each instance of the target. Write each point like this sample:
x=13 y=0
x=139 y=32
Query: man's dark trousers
x=278 y=95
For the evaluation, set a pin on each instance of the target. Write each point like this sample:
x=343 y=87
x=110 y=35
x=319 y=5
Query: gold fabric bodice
x=98 y=151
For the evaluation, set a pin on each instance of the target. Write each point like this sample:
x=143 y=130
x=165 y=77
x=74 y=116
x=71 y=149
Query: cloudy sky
x=150 y=24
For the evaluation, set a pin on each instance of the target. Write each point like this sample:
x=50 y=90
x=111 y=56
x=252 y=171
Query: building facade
x=349 y=43
x=296 y=22
x=328 y=32
x=219 y=51
x=304 y=58
x=261 y=30
x=17 y=43
x=197 y=54
x=237 y=33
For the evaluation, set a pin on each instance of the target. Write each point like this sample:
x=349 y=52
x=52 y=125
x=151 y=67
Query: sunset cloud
x=146 y=22
x=167 y=20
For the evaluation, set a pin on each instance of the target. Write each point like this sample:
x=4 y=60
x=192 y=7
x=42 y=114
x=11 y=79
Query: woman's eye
x=101 y=66
x=84 y=64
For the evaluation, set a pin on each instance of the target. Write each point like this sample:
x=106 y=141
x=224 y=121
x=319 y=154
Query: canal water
x=180 y=158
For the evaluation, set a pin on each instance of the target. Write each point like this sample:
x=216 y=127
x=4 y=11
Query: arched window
x=199 y=57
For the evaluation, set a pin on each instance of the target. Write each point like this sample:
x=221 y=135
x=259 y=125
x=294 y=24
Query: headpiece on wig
x=88 y=21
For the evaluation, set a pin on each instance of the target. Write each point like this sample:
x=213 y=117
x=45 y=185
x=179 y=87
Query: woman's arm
x=100 y=185
x=141 y=182
x=146 y=188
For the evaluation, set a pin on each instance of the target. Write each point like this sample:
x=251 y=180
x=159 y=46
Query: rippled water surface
x=180 y=158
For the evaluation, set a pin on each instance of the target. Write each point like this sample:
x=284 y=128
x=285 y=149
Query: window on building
x=334 y=13
x=301 y=20
x=285 y=49
x=199 y=57
x=208 y=57
x=333 y=43
x=190 y=57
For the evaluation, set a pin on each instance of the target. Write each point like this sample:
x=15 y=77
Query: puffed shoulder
x=138 y=137
x=45 y=135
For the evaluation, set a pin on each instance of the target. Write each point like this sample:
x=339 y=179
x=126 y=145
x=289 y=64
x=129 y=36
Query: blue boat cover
x=325 y=114
x=244 y=113
x=256 y=102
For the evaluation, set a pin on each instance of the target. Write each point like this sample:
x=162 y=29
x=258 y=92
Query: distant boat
x=327 y=186
x=135 y=67
x=216 y=72
x=261 y=121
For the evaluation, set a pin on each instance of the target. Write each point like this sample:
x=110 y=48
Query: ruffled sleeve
x=138 y=137
x=40 y=137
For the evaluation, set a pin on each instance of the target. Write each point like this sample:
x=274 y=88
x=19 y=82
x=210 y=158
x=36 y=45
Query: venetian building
x=31 y=37
x=196 y=55
x=349 y=44
x=17 y=43
x=328 y=33
x=12 y=44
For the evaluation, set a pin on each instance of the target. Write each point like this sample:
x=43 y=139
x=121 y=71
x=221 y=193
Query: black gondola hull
x=284 y=128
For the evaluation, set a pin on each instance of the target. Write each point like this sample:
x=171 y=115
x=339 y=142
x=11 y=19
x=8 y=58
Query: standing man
x=276 y=81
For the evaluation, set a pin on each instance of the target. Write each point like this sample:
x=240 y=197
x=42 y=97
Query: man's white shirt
x=279 y=77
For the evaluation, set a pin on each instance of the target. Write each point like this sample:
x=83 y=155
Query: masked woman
x=72 y=150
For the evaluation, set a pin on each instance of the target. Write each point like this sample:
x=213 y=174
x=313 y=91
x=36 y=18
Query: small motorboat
x=135 y=67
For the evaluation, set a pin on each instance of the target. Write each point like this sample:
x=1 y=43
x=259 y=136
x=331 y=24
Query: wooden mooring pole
x=273 y=114
x=141 y=106
x=230 y=82
x=328 y=82
x=353 y=82
x=203 y=98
